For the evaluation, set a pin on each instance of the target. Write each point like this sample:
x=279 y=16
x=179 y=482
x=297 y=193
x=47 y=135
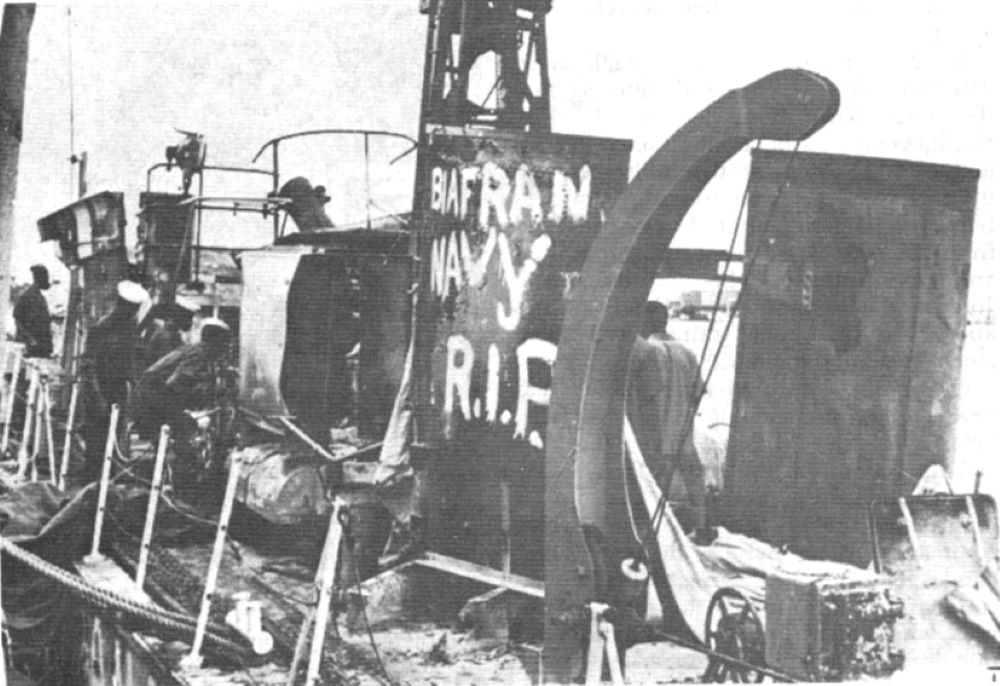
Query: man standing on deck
x=106 y=368
x=665 y=386
x=31 y=313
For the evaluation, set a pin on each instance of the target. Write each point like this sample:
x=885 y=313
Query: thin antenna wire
x=72 y=109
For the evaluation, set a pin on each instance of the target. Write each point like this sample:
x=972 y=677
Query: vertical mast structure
x=17 y=20
x=465 y=40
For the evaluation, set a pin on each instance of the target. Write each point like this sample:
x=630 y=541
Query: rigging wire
x=368 y=626
x=657 y=516
x=72 y=104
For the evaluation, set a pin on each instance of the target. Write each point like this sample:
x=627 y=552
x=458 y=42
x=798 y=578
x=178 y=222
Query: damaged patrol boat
x=446 y=385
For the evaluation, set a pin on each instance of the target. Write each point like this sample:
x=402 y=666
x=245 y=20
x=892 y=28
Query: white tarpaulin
x=695 y=572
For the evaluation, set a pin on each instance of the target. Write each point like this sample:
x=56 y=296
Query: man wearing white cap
x=162 y=330
x=107 y=367
x=183 y=380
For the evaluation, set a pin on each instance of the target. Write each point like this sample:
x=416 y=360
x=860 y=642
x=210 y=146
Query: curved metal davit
x=588 y=388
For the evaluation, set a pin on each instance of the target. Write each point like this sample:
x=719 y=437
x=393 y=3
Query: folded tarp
x=694 y=573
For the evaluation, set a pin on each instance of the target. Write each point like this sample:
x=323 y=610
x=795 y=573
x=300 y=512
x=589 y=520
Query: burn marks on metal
x=849 y=394
x=509 y=219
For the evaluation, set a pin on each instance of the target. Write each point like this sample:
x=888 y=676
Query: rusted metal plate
x=849 y=343
x=507 y=220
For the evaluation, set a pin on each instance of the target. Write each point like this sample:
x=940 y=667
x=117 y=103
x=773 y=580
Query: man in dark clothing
x=31 y=313
x=106 y=368
x=182 y=381
x=162 y=330
x=664 y=386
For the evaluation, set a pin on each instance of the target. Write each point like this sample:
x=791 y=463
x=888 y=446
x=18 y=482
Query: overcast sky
x=917 y=81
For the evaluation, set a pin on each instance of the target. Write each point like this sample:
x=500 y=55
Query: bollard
x=22 y=450
x=154 y=498
x=193 y=659
x=68 y=438
x=102 y=496
x=11 y=399
x=246 y=618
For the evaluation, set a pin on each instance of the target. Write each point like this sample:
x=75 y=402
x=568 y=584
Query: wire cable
x=368 y=626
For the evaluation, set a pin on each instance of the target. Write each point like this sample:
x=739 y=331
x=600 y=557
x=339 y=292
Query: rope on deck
x=153 y=618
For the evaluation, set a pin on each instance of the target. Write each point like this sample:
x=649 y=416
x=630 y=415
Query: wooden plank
x=486 y=575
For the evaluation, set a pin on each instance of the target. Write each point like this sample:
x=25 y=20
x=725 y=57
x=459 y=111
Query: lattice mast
x=486 y=65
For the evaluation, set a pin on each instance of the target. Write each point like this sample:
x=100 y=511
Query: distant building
x=705 y=298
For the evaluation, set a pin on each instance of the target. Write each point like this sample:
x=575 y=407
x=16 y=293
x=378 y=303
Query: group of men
x=145 y=367
x=664 y=389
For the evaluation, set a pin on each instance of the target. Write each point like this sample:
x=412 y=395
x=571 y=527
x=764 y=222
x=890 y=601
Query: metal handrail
x=317 y=132
x=207 y=167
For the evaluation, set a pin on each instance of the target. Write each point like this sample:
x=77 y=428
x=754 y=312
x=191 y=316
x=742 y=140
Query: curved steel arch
x=583 y=445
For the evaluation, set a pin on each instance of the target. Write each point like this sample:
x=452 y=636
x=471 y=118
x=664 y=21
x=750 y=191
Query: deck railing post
x=102 y=495
x=193 y=659
x=22 y=449
x=334 y=533
x=68 y=438
x=11 y=390
x=154 y=498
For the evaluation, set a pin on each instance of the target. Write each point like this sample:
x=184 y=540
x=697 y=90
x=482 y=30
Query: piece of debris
x=439 y=653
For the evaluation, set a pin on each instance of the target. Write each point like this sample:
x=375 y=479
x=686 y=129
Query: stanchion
x=154 y=498
x=602 y=648
x=5 y=388
x=102 y=496
x=49 y=440
x=333 y=535
x=22 y=449
x=326 y=568
x=68 y=438
x=3 y=635
x=11 y=400
x=36 y=448
x=193 y=659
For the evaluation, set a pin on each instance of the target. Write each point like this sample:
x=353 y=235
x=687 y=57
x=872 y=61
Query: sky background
x=917 y=81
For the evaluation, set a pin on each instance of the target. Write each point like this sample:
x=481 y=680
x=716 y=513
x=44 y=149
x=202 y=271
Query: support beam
x=486 y=575
x=700 y=264
x=17 y=19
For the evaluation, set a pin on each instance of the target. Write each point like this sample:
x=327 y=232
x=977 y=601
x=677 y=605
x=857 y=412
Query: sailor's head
x=306 y=206
x=654 y=318
x=40 y=276
x=215 y=336
x=131 y=296
x=184 y=311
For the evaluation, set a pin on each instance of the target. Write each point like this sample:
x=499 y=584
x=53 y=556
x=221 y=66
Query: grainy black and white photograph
x=429 y=342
